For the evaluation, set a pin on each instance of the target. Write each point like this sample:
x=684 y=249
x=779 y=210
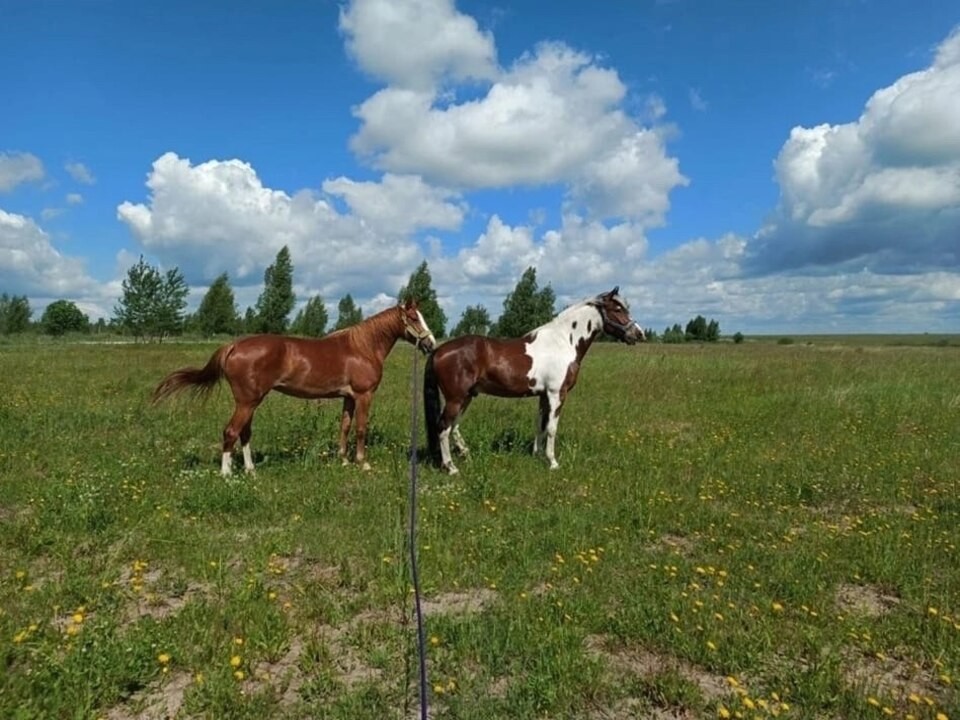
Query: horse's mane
x=580 y=304
x=363 y=336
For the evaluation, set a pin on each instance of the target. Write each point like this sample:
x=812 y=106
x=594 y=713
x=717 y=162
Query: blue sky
x=780 y=167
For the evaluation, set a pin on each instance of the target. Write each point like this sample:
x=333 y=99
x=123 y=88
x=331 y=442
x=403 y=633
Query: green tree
x=312 y=318
x=419 y=289
x=277 y=299
x=738 y=337
x=347 y=313
x=713 y=331
x=475 y=320
x=63 y=316
x=700 y=330
x=526 y=307
x=15 y=314
x=696 y=328
x=217 y=313
x=250 y=322
x=171 y=302
x=674 y=334
x=152 y=302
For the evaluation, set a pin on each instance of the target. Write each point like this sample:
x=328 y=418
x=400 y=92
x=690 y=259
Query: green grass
x=759 y=529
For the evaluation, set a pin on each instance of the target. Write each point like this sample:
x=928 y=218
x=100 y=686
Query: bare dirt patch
x=460 y=603
x=891 y=677
x=867 y=600
x=646 y=664
x=158 y=702
x=674 y=544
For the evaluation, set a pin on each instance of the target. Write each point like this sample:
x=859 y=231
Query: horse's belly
x=314 y=392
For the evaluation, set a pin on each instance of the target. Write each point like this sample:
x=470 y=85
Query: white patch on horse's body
x=554 y=346
x=552 y=349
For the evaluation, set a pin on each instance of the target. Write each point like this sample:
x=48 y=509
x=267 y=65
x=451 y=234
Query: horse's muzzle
x=634 y=334
x=427 y=345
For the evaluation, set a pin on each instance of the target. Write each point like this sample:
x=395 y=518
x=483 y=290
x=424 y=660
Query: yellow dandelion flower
x=77 y=617
x=914 y=698
x=873 y=701
x=777 y=607
x=236 y=661
x=723 y=712
x=238 y=674
x=439 y=689
x=163 y=658
x=711 y=645
x=942 y=716
x=238 y=641
x=434 y=640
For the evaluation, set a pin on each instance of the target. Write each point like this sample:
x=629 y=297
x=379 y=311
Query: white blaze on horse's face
x=422 y=335
x=430 y=341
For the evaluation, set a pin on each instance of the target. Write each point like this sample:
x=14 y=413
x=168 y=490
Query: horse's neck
x=579 y=325
x=383 y=336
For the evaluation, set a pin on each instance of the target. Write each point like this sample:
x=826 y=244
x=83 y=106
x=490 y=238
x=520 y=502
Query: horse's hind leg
x=245 y=434
x=539 y=437
x=458 y=442
x=346 y=420
x=448 y=422
x=242 y=418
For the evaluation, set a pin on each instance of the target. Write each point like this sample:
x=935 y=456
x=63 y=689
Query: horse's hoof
x=366 y=467
x=554 y=466
x=344 y=462
x=451 y=469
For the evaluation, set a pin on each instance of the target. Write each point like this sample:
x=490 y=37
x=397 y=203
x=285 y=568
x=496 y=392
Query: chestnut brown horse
x=347 y=363
x=544 y=362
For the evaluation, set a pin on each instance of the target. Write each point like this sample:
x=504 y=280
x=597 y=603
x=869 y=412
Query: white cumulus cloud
x=30 y=265
x=414 y=44
x=218 y=215
x=554 y=117
x=17 y=168
x=883 y=190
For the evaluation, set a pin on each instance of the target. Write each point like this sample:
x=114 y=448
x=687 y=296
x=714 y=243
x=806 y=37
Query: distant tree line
x=698 y=329
x=153 y=302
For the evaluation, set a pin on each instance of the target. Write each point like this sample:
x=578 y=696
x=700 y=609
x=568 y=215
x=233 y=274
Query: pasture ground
x=753 y=530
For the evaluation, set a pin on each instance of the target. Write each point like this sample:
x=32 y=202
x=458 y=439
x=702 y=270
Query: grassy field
x=753 y=530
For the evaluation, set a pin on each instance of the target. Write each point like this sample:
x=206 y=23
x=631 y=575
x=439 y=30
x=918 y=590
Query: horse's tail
x=431 y=408
x=200 y=380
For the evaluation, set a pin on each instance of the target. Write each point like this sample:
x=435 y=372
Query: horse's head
x=616 y=317
x=415 y=327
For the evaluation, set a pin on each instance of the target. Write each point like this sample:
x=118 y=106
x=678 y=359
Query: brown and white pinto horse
x=347 y=363
x=544 y=362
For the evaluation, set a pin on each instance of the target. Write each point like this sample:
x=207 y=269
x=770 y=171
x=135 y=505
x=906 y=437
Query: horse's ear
x=410 y=304
x=615 y=291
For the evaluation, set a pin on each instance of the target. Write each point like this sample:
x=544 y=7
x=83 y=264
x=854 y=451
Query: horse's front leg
x=553 y=417
x=363 y=413
x=346 y=420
